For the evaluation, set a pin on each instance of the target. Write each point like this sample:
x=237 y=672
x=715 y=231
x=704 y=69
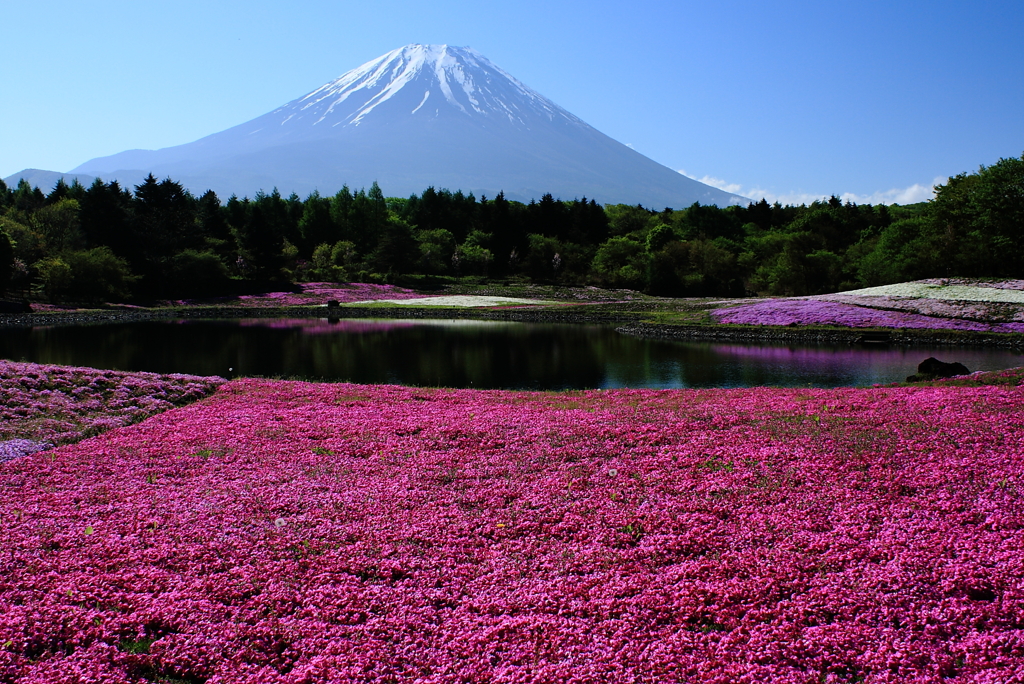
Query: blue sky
x=790 y=100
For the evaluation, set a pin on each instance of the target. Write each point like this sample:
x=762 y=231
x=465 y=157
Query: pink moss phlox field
x=816 y=312
x=313 y=294
x=984 y=312
x=318 y=326
x=296 y=532
x=44 y=404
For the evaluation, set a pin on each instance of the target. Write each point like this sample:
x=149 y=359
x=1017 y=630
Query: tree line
x=108 y=243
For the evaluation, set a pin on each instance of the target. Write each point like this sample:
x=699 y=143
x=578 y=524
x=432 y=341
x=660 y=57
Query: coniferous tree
x=26 y=198
x=316 y=225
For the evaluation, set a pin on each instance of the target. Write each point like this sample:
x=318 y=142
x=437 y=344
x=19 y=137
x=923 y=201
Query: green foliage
x=6 y=260
x=979 y=220
x=624 y=219
x=397 y=250
x=658 y=237
x=317 y=226
x=28 y=244
x=472 y=257
x=323 y=268
x=903 y=251
x=620 y=262
x=92 y=275
x=191 y=273
x=59 y=225
x=544 y=260
x=55 y=278
x=974 y=227
x=437 y=248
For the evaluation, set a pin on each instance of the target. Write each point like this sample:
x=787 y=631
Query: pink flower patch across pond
x=816 y=312
x=296 y=532
x=326 y=326
x=314 y=294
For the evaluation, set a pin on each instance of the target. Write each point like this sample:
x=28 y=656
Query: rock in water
x=932 y=369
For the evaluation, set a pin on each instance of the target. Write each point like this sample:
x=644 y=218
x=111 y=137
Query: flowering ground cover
x=327 y=326
x=298 y=532
x=819 y=312
x=312 y=294
x=44 y=405
x=982 y=312
x=463 y=301
x=961 y=289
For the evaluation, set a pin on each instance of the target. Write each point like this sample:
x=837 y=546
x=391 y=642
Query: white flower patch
x=933 y=290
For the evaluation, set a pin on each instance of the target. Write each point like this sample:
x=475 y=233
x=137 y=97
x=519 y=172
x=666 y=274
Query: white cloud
x=910 y=195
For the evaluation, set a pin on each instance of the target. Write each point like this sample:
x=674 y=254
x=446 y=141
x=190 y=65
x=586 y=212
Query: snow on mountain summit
x=424 y=80
x=416 y=117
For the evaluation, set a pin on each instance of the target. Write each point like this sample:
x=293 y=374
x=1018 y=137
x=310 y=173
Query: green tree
x=905 y=250
x=472 y=257
x=437 y=247
x=979 y=218
x=164 y=221
x=93 y=275
x=323 y=266
x=259 y=239
x=26 y=198
x=397 y=251
x=659 y=236
x=59 y=225
x=6 y=260
x=544 y=261
x=28 y=243
x=191 y=273
x=316 y=225
x=106 y=219
x=620 y=262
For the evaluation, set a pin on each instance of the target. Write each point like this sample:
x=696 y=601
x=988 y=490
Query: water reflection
x=463 y=353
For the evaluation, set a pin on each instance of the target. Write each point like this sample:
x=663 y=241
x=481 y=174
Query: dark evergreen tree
x=397 y=250
x=105 y=218
x=6 y=260
x=26 y=198
x=549 y=217
x=316 y=225
x=259 y=238
x=164 y=222
x=59 y=192
x=214 y=228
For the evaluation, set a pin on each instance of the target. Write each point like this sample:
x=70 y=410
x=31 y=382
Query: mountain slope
x=419 y=116
x=46 y=180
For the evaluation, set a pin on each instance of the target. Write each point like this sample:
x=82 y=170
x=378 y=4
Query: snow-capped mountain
x=419 y=116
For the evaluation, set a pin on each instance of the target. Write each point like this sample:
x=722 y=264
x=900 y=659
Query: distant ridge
x=418 y=116
x=46 y=180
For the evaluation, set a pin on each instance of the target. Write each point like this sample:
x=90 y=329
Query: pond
x=466 y=353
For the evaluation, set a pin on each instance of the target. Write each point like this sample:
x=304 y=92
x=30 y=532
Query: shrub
x=191 y=273
x=92 y=275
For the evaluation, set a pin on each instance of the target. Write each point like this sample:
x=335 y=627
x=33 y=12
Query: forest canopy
x=108 y=243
